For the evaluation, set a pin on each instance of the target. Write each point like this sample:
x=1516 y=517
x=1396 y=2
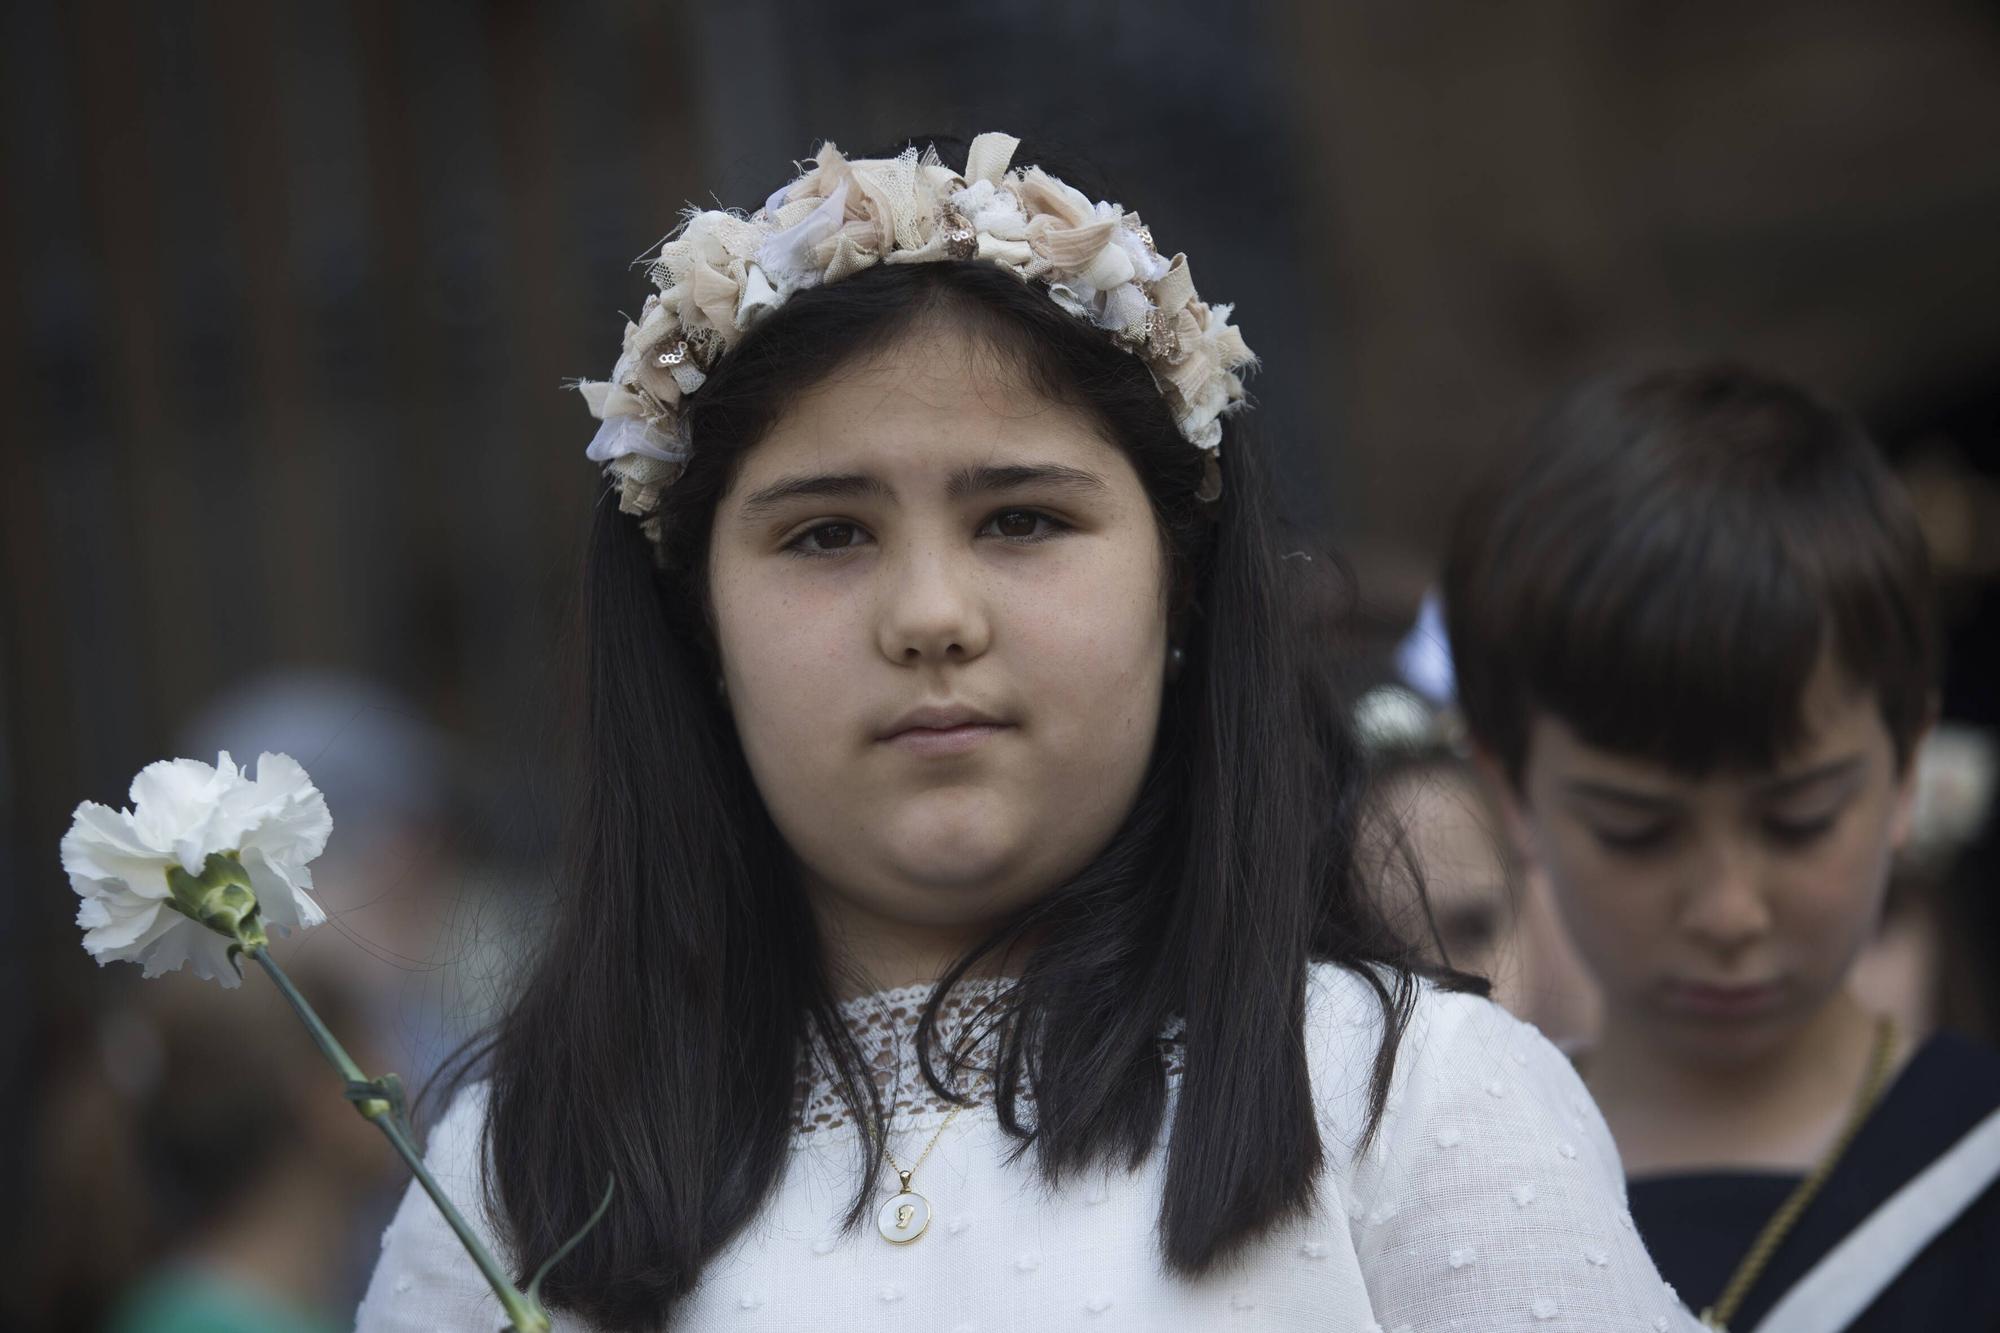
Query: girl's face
x=1718 y=915
x=1467 y=882
x=940 y=605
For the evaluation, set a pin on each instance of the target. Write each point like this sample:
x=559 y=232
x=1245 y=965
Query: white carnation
x=182 y=812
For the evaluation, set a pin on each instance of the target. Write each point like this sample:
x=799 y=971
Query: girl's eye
x=827 y=539
x=1022 y=525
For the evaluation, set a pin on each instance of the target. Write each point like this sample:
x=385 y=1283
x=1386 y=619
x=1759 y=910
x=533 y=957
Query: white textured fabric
x=1491 y=1201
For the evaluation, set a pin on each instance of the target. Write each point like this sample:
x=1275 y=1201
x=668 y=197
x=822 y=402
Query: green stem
x=525 y=1314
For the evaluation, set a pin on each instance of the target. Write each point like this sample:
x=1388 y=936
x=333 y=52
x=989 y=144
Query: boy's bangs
x=1694 y=648
x=1666 y=571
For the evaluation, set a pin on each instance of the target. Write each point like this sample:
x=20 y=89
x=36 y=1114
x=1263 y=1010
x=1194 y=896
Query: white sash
x=1849 y=1277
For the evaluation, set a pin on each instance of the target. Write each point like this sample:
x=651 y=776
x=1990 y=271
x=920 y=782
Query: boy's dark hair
x=1666 y=567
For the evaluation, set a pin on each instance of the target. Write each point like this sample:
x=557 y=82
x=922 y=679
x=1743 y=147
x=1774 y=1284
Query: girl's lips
x=937 y=742
x=1723 y=1003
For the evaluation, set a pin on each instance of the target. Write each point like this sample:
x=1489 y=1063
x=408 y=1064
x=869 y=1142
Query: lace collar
x=884 y=1025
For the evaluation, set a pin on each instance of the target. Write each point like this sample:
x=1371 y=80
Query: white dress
x=1491 y=1200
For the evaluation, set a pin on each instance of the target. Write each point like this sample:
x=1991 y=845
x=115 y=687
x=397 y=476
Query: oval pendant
x=903 y=1217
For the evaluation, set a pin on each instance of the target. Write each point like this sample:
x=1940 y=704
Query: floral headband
x=722 y=272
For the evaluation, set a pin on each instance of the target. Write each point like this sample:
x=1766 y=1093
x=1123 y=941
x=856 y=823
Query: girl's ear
x=1512 y=803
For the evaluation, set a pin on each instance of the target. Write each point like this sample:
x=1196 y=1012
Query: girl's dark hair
x=659 y=1041
x=1667 y=565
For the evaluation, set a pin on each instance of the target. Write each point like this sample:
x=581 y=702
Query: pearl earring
x=1176 y=660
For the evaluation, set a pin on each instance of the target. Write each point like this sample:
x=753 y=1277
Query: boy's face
x=1719 y=914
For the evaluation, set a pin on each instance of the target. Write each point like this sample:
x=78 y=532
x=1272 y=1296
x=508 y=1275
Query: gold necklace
x=1718 y=1315
x=905 y=1215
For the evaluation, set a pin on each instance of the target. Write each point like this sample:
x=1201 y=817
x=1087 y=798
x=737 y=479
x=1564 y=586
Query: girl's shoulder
x=456 y=1140
x=1490 y=1185
x=424 y=1282
x=1460 y=1063
x=1348 y=1008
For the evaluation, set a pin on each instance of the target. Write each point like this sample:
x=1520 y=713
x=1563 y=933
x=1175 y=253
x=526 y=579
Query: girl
x=1692 y=637
x=1447 y=876
x=964 y=931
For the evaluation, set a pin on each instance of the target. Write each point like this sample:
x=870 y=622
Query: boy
x=1693 y=642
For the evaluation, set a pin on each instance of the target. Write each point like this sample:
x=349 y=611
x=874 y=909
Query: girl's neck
x=867 y=954
x=893 y=965
x=1778 y=1111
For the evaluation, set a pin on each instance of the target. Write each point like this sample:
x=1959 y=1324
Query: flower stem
x=524 y=1313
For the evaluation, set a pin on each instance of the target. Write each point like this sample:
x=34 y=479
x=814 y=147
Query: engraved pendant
x=903 y=1217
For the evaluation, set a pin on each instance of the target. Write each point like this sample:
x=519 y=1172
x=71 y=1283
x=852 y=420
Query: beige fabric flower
x=722 y=272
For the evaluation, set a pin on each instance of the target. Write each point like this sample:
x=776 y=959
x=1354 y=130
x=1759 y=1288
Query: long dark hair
x=659 y=1040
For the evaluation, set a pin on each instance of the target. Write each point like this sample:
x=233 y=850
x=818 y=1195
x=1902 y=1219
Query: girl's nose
x=932 y=610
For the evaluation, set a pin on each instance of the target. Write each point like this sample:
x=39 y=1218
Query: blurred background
x=289 y=293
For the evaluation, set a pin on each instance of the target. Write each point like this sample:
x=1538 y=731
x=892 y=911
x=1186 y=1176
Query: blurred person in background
x=389 y=878
x=1443 y=865
x=415 y=937
x=201 y=1171
x=1924 y=966
x=1692 y=635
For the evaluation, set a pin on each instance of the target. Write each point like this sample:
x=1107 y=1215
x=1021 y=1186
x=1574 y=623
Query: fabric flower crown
x=721 y=272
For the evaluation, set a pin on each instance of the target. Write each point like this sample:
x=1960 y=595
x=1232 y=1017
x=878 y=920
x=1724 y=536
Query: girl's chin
x=961 y=907
x=956 y=838
x=958 y=872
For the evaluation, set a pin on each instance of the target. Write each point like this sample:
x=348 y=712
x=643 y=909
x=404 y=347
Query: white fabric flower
x=722 y=273
x=182 y=812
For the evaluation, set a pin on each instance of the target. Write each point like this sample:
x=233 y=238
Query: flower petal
x=173 y=799
x=103 y=845
x=1074 y=249
x=619 y=436
x=285 y=817
x=759 y=298
x=114 y=925
x=208 y=951
x=282 y=899
x=788 y=254
x=607 y=400
x=1041 y=193
x=989 y=156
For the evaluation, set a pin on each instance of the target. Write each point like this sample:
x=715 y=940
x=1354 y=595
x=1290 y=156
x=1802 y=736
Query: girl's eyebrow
x=966 y=481
x=981 y=480
x=815 y=486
